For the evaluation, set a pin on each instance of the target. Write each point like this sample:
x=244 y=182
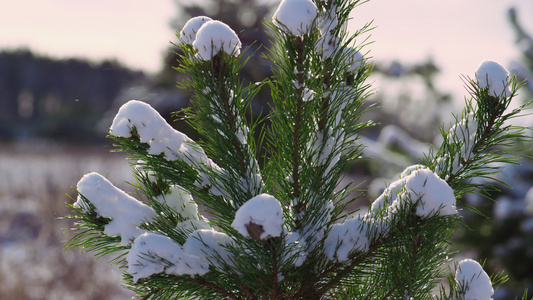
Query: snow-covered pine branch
x=255 y=209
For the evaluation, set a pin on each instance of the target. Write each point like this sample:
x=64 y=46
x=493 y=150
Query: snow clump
x=189 y=30
x=327 y=23
x=296 y=16
x=156 y=132
x=181 y=201
x=155 y=253
x=356 y=59
x=296 y=246
x=345 y=238
x=494 y=76
x=209 y=245
x=126 y=212
x=262 y=215
x=432 y=195
x=472 y=281
x=215 y=36
x=464 y=134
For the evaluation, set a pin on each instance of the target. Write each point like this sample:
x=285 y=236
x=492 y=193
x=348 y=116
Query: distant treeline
x=57 y=98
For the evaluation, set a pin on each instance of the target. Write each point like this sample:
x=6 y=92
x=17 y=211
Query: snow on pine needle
x=494 y=76
x=260 y=218
x=473 y=283
x=190 y=29
x=126 y=213
x=295 y=16
x=215 y=36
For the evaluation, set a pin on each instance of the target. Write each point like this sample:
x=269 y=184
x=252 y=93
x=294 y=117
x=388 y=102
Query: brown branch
x=274 y=293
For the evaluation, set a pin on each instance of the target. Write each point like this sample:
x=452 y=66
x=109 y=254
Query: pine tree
x=258 y=212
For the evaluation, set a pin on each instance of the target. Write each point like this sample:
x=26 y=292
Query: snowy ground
x=35 y=179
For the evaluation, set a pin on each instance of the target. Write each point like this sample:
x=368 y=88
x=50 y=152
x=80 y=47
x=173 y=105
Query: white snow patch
x=434 y=195
x=209 y=245
x=355 y=57
x=327 y=23
x=386 y=198
x=296 y=249
x=189 y=30
x=494 y=76
x=472 y=281
x=307 y=94
x=465 y=131
x=181 y=201
x=423 y=187
x=215 y=36
x=154 y=253
x=156 y=132
x=126 y=212
x=345 y=238
x=263 y=210
x=324 y=150
x=296 y=16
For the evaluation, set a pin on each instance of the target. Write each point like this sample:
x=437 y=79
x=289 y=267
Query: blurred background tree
x=61 y=99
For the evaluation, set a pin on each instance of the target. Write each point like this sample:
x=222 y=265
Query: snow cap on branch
x=215 y=36
x=126 y=212
x=345 y=238
x=156 y=132
x=296 y=16
x=189 y=30
x=472 y=281
x=494 y=76
x=155 y=253
x=432 y=195
x=181 y=201
x=209 y=245
x=259 y=218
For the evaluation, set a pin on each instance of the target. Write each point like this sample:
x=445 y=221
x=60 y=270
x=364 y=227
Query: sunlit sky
x=457 y=34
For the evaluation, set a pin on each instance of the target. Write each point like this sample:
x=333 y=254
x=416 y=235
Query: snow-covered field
x=34 y=182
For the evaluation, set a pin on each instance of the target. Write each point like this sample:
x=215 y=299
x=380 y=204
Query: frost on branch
x=295 y=16
x=492 y=75
x=188 y=33
x=473 y=283
x=215 y=36
x=154 y=253
x=126 y=212
x=259 y=218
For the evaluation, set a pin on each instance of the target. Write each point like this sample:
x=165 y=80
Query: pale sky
x=458 y=34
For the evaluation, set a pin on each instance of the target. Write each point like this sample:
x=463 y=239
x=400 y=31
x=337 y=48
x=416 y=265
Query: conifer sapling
x=258 y=212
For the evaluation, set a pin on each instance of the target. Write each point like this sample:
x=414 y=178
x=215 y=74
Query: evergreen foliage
x=398 y=250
